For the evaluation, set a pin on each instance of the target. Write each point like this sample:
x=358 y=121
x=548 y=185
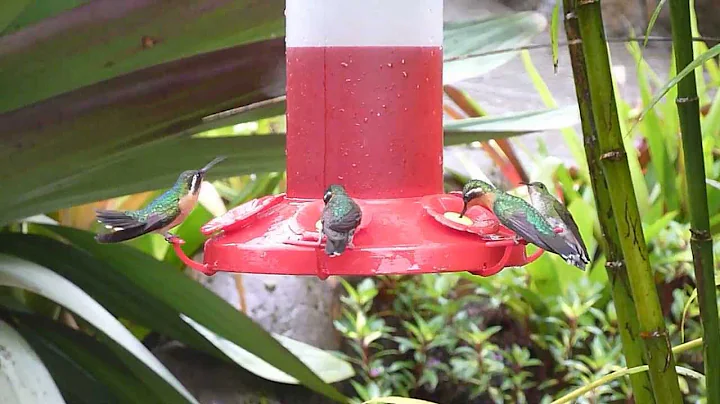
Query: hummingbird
x=558 y=216
x=161 y=215
x=340 y=217
x=519 y=216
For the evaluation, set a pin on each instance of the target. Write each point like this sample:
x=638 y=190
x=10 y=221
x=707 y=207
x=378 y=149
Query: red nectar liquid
x=369 y=118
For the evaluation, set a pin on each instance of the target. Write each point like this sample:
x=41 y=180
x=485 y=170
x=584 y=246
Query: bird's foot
x=173 y=239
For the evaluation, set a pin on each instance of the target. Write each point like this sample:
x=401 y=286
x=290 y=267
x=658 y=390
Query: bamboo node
x=700 y=235
x=613 y=155
x=570 y=15
x=585 y=2
x=575 y=42
x=683 y=100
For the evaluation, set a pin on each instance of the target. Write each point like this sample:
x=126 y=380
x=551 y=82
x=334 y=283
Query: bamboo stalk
x=617 y=275
x=614 y=161
x=701 y=239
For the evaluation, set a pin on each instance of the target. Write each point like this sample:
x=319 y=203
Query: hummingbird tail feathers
x=125 y=226
x=120 y=235
x=334 y=247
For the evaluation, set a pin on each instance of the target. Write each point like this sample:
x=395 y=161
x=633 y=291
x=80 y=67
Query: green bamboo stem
x=701 y=238
x=652 y=330
x=620 y=285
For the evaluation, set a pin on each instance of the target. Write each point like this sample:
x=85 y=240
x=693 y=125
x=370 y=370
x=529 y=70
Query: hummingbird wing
x=532 y=227
x=572 y=227
x=127 y=226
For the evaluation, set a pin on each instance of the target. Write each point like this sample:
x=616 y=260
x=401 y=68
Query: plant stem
x=614 y=161
x=617 y=276
x=701 y=239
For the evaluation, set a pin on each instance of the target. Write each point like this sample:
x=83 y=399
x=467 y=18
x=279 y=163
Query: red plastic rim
x=398 y=236
x=484 y=222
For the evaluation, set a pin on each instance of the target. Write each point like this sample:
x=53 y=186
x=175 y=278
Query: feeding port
x=364 y=110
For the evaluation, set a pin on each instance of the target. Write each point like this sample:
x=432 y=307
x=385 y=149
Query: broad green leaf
x=156 y=165
x=23 y=376
x=105 y=39
x=185 y=296
x=690 y=68
x=327 y=366
x=9 y=11
x=462 y=39
x=39 y=10
x=49 y=144
x=85 y=370
x=27 y=275
x=112 y=289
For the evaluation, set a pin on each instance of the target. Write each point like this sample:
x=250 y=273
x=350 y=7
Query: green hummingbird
x=520 y=217
x=340 y=218
x=558 y=216
x=162 y=214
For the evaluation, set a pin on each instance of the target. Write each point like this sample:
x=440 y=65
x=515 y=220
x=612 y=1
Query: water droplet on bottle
x=384 y=106
x=378 y=114
x=367 y=154
x=365 y=119
x=398 y=95
x=402 y=61
x=405 y=108
x=343 y=64
x=389 y=65
x=354 y=165
x=340 y=177
x=405 y=74
x=348 y=80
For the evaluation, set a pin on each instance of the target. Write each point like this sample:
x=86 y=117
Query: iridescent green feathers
x=340 y=218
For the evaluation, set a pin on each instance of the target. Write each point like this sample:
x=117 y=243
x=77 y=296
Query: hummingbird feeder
x=364 y=110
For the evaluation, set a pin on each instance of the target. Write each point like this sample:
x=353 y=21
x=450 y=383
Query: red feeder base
x=279 y=235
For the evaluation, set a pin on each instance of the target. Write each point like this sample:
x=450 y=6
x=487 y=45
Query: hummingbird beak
x=464 y=209
x=209 y=165
x=524 y=183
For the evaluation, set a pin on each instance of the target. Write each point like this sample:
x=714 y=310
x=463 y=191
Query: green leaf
x=9 y=10
x=690 y=68
x=106 y=39
x=38 y=10
x=23 y=376
x=653 y=18
x=187 y=297
x=26 y=275
x=112 y=289
x=654 y=133
x=156 y=165
x=465 y=38
x=653 y=229
x=49 y=141
x=86 y=370
x=520 y=123
x=330 y=368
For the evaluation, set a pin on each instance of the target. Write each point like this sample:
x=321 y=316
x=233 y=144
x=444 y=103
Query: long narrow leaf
x=183 y=294
x=23 y=274
x=23 y=377
x=330 y=368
